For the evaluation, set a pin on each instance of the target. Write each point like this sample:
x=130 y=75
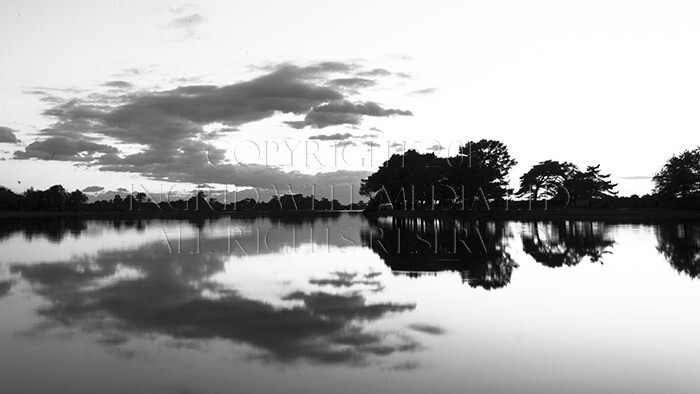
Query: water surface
x=345 y=304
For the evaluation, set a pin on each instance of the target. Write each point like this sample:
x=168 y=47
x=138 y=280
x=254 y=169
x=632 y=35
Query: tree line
x=474 y=179
x=477 y=178
x=57 y=199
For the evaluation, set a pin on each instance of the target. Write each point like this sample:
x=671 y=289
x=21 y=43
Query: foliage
x=680 y=176
x=545 y=179
x=418 y=181
x=590 y=185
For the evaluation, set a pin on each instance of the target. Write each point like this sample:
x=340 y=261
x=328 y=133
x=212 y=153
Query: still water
x=349 y=305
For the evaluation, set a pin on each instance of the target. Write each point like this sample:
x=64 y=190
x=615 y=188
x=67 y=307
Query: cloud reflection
x=120 y=294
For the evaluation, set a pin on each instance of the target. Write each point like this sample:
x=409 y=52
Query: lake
x=346 y=304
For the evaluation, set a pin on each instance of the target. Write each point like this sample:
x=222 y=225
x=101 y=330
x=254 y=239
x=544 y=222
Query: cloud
x=64 y=149
x=407 y=366
x=377 y=72
x=636 y=177
x=330 y=67
x=352 y=82
x=5 y=287
x=367 y=108
x=331 y=137
x=341 y=112
x=93 y=189
x=188 y=20
x=187 y=24
x=167 y=128
x=347 y=280
x=427 y=329
x=371 y=144
x=118 y=84
x=322 y=328
x=7 y=135
x=424 y=91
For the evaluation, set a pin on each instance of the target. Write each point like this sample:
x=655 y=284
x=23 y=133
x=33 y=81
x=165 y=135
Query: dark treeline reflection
x=566 y=243
x=56 y=228
x=414 y=246
x=680 y=244
x=53 y=228
x=125 y=293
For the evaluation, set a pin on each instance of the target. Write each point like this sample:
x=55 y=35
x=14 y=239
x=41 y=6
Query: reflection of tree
x=142 y=291
x=415 y=246
x=680 y=245
x=54 y=228
x=566 y=243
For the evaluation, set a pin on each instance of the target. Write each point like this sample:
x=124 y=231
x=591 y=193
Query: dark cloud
x=64 y=149
x=352 y=82
x=5 y=288
x=326 y=119
x=377 y=72
x=168 y=126
x=93 y=189
x=190 y=106
x=427 y=329
x=7 y=135
x=371 y=144
x=331 y=137
x=367 y=108
x=118 y=84
x=344 y=112
x=191 y=163
x=330 y=67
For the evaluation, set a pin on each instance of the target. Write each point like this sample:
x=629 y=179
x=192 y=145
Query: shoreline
x=597 y=214
x=137 y=214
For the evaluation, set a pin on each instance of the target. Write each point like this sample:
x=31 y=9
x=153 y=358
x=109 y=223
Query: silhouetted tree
x=488 y=164
x=679 y=178
x=420 y=181
x=76 y=199
x=117 y=202
x=590 y=184
x=9 y=200
x=545 y=178
x=140 y=197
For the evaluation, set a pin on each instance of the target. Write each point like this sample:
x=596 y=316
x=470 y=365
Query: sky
x=105 y=96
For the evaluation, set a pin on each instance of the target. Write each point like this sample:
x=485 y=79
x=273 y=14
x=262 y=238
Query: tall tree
x=680 y=176
x=416 y=180
x=590 y=184
x=76 y=199
x=545 y=178
x=485 y=164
